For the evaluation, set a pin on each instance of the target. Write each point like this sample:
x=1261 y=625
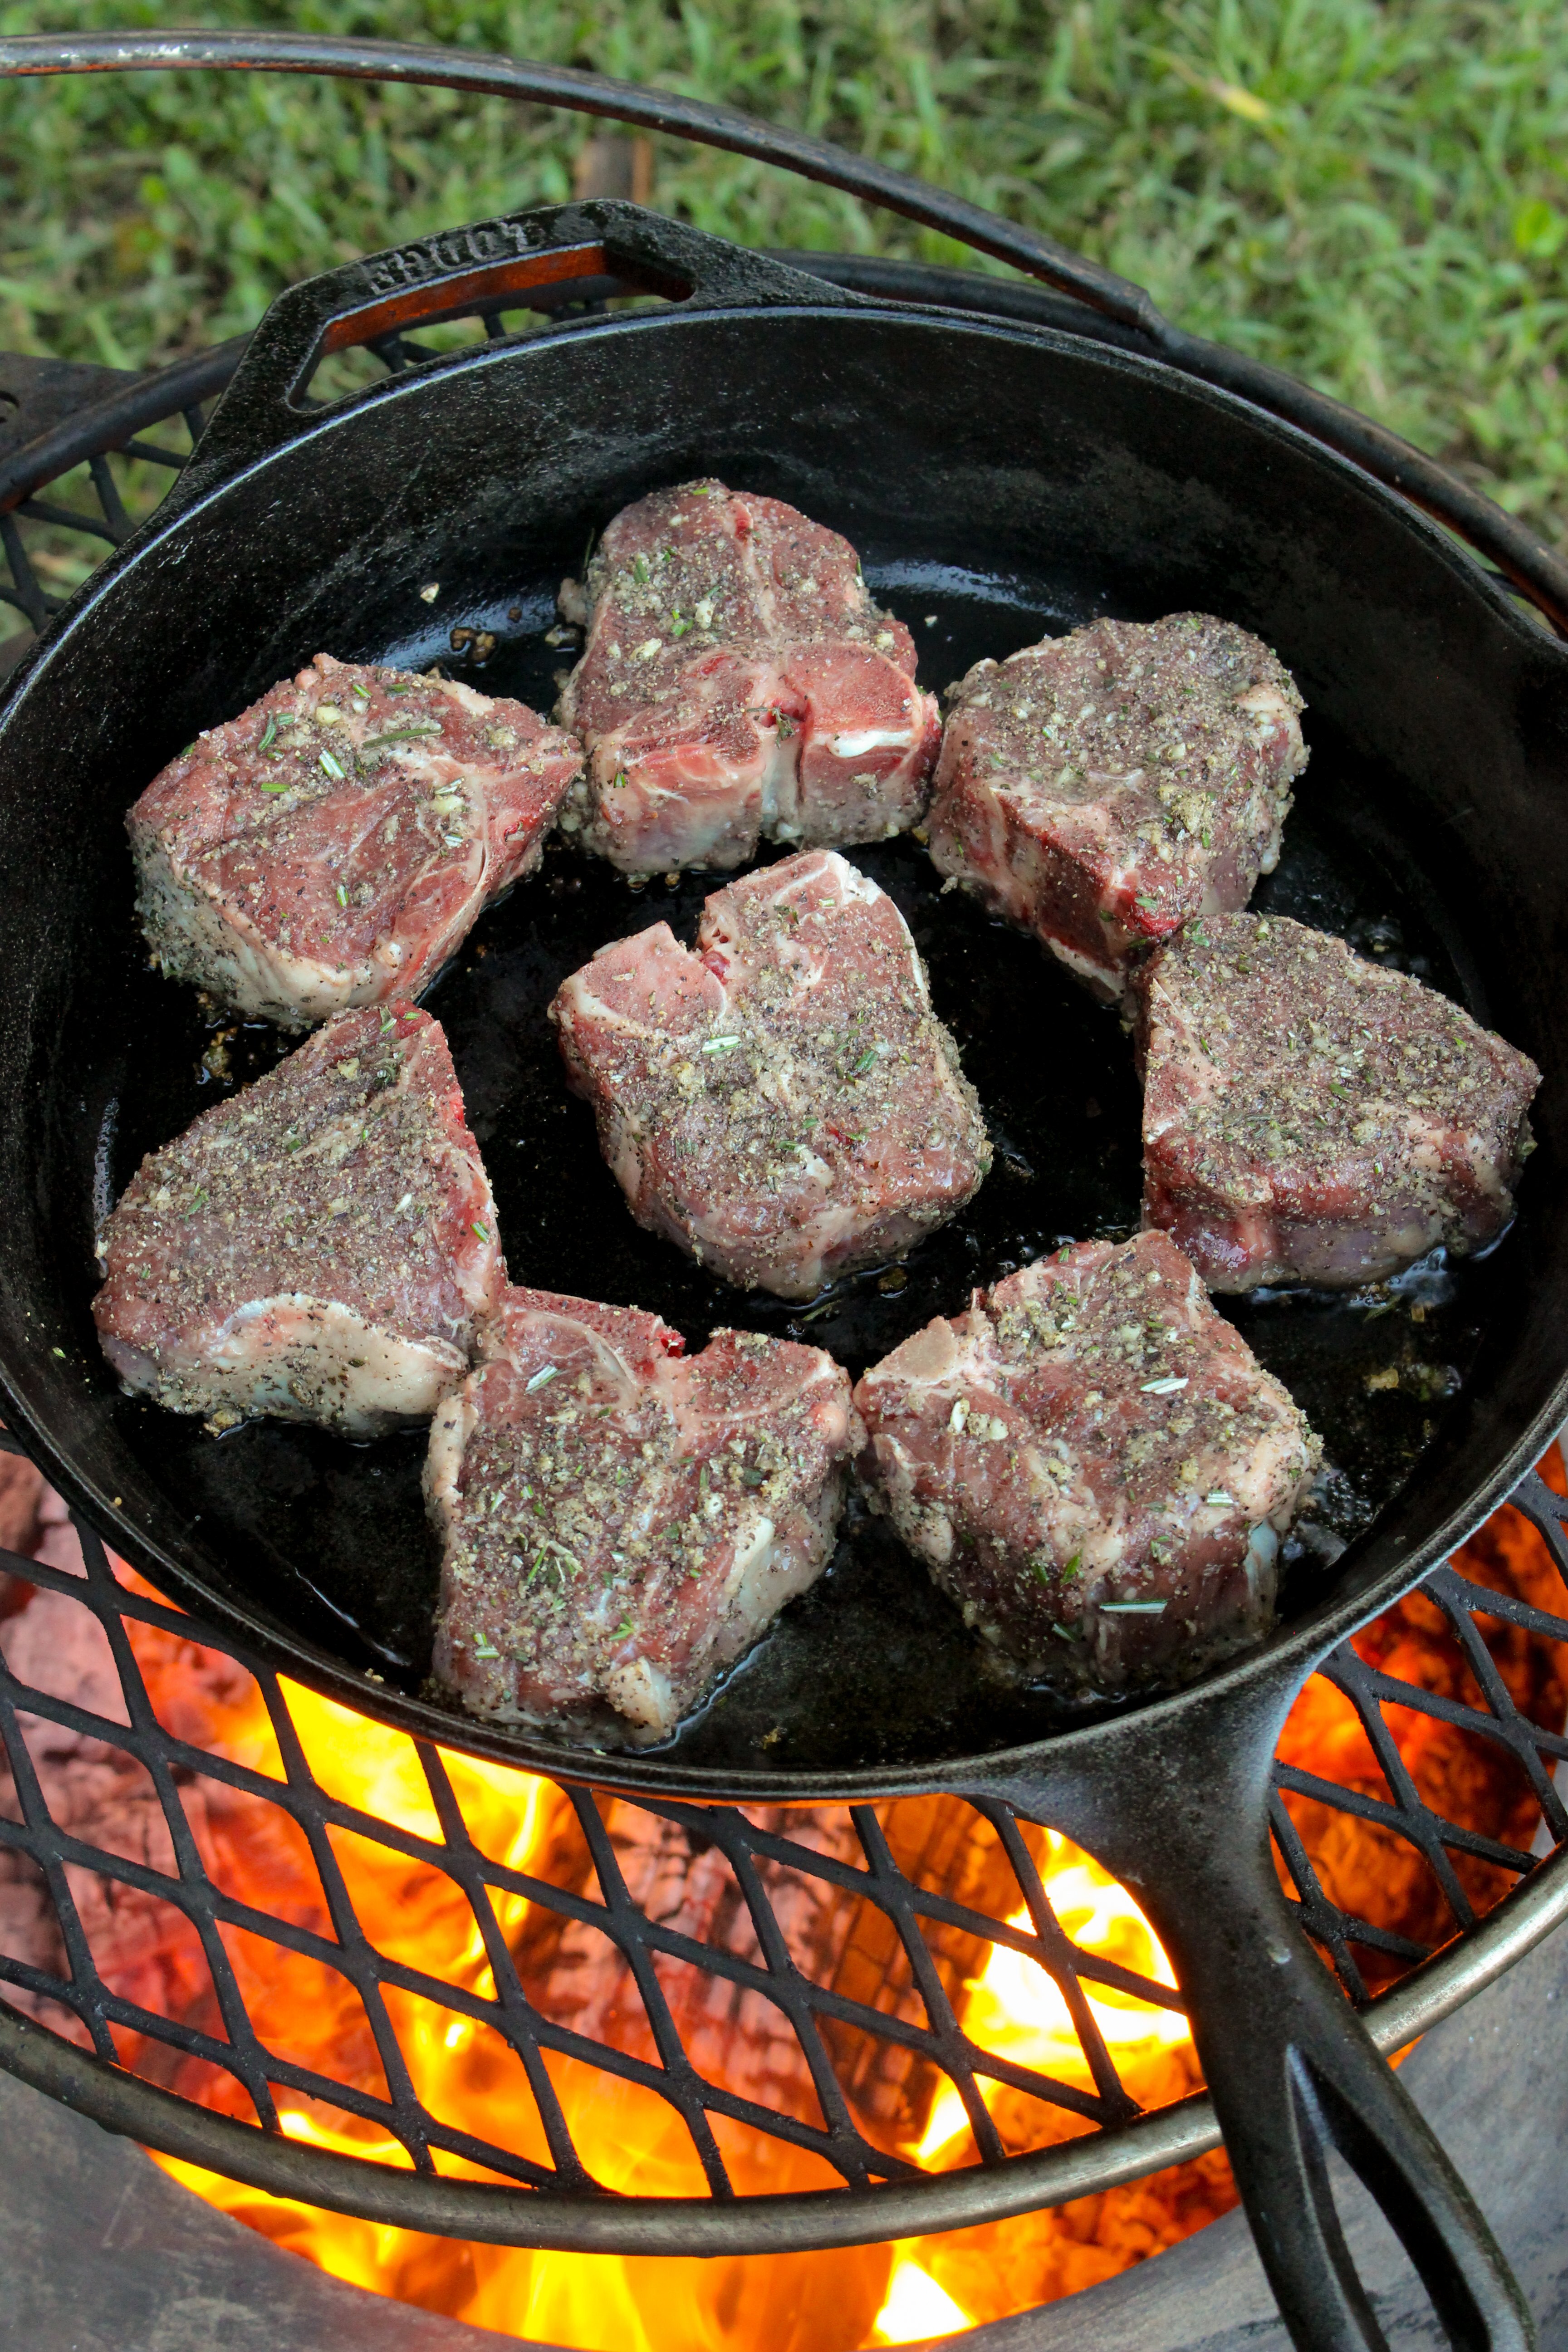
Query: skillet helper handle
x=519 y=261
x=1292 y=2073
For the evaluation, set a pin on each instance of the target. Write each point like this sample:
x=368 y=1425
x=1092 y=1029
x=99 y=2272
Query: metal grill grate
x=868 y=2005
x=829 y=1949
x=88 y=427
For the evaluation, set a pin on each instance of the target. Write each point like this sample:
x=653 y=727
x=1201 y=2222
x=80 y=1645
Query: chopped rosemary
x=1133 y=1607
x=412 y=732
x=484 y=1233
x=270 y=732
x=720 y=1044
x=542 y=1379
x=341 y=895
x=332 y=766
x=1161 y=1388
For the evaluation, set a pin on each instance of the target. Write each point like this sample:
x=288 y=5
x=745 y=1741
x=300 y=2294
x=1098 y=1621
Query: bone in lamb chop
x=1100 y=788
x=321 y=1247
x=783 y=1102
x=621 y=1521
x=737 y=685
x=334 y=844
x=1091 y=1462
x=1309 y=1117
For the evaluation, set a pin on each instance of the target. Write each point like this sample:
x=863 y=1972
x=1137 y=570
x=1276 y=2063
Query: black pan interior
x=324 y=1541
x=335 y=1533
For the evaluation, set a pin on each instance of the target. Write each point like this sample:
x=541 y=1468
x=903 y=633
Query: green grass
x=1372 y=192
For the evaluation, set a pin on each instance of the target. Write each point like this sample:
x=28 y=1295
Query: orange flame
x=631 y=2140
x=1016 y=2010
x=464 y=2073
x=916 y=2307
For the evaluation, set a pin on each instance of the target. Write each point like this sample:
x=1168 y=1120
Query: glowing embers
x=392 y=1950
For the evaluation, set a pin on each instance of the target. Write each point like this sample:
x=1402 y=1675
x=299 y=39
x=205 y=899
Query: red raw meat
x=783 y=1102
x=1308 y=1116
x=1100 y=788
x=334 y=844
x=1094 y=1465
x=737 y=685
x=621 y=1521
x=321 y=1247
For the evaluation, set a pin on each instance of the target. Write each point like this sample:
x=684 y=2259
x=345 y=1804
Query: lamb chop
x=620 y=1521
x=333 y=845
x=1100 y=788
x=321 y=1247
x=738 y=684
x=1093 y=1465
x=783 y=1102
x=1309 y=1117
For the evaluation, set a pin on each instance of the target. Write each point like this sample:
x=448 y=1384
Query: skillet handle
x=1301 y=2078
x=536 y=259
x=1292 y=2074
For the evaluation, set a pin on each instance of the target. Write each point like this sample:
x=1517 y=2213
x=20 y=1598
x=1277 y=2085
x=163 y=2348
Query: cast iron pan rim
x=307 y=423
x=1282 y=1663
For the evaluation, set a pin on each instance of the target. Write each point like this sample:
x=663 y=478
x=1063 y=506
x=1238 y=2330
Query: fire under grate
x=853 y=1938
x=896 y=2022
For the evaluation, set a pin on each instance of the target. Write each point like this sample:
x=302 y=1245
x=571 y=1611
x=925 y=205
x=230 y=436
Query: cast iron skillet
x=1002 y=479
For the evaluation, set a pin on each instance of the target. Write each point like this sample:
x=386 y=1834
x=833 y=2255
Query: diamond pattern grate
x=847 y=1936
x=788 y=1987
x=107 y=476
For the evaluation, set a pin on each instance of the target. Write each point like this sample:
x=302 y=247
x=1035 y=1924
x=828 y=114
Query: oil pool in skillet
x=334 y=1538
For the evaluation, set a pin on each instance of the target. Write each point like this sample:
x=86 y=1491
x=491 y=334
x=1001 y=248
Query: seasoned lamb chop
x=738 y=684
x=1094 y=1465
x=334 y=844
x=621 y=1521
x=321 y=1247
x=783 y=1102
x=1099 y=788
x=1308 y=1116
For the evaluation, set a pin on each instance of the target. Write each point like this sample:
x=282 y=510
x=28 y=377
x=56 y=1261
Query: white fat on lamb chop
x=1094 y=1465
x=620 y=1521
x=1312 y=1117
x=782 y=1101
x=737 y=685
x=321 y=1247
x=333 y=845
x=1102 y=788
